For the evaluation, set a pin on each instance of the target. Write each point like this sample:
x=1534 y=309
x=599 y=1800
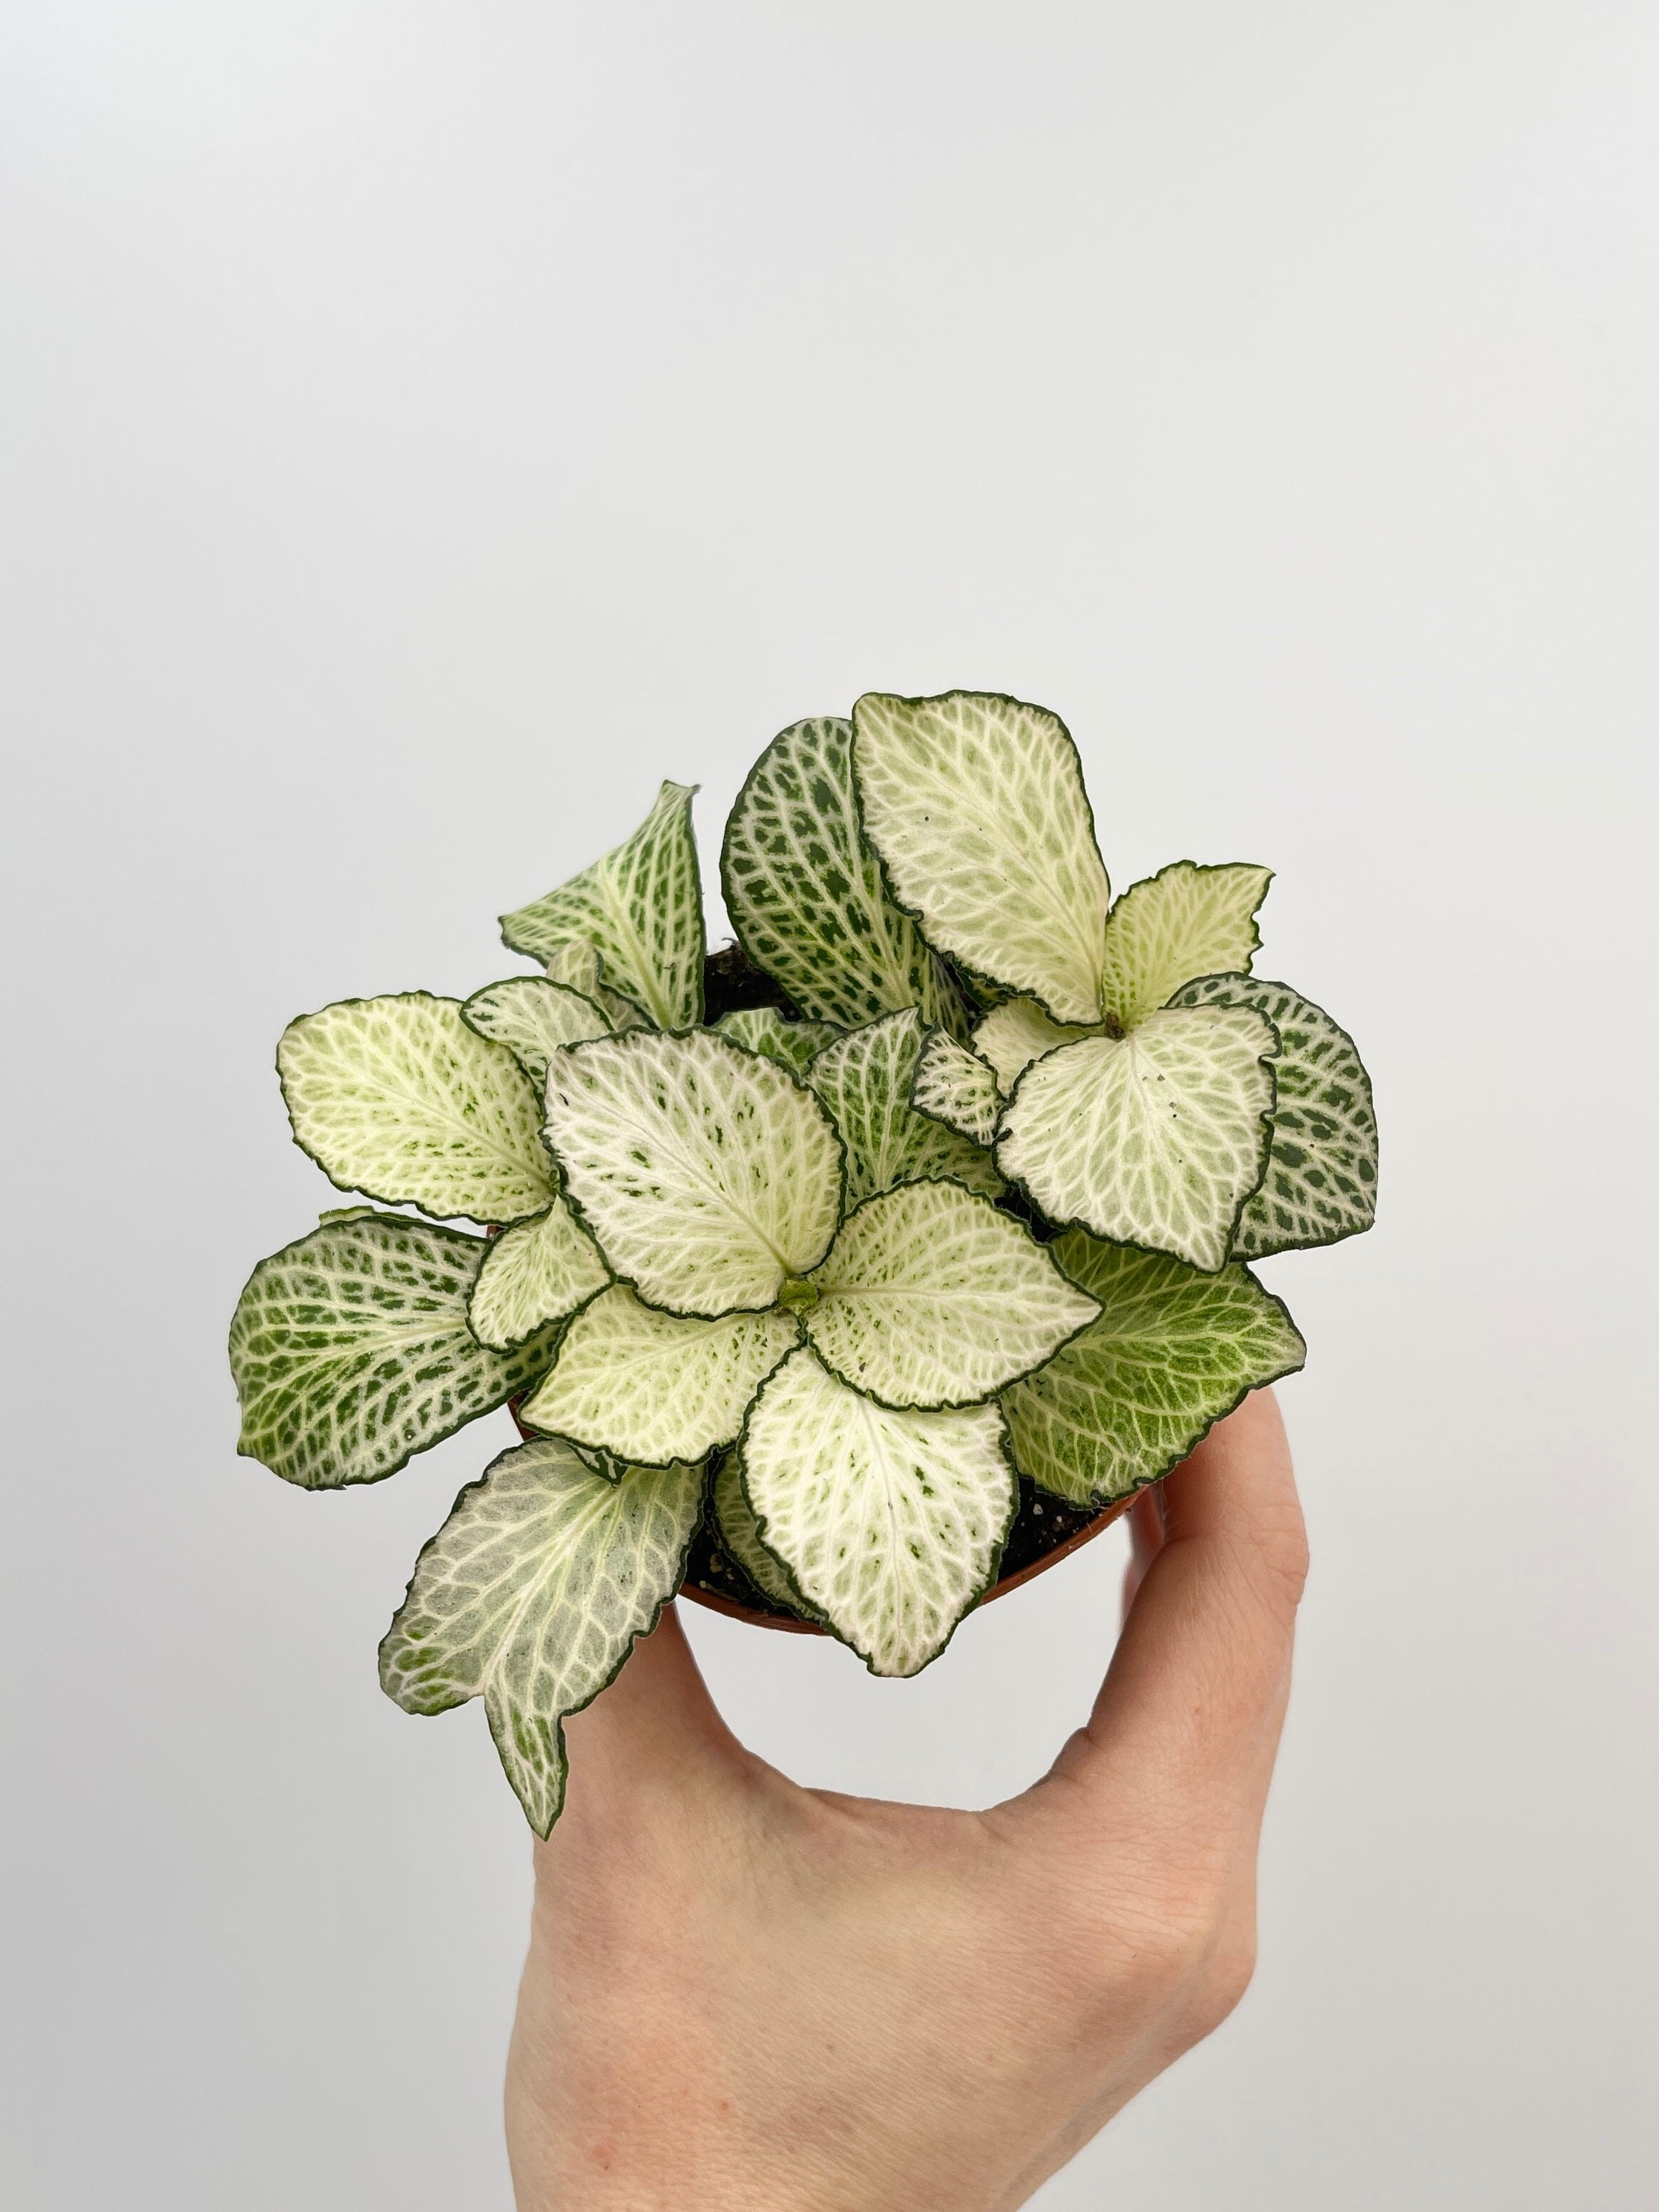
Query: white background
x=426 y=426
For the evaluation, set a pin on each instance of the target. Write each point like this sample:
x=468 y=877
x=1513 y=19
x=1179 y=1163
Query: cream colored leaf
x=1184 y=921
x=578 y=966
x=793 y=1045
x=957 y=1087
x=536 y=1274
x=865 y=1079
x=534 y=1019
x=740 y=1533
x=1011 y=1035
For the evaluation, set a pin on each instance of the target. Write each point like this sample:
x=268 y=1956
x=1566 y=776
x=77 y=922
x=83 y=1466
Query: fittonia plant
x=944 y=1205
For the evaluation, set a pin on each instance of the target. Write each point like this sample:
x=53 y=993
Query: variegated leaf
x=740 y=1533
x=763 y=1030
x=578 y=966
x=652 y=1386
x=1321 y=1182
x=1172 y=1353
x=1011 y=1035
x=536 y=1274
x=865 y=1078
x=531 y=1596
x=1184 y=921
x=890 y=1523
x=1156 y=1139
x=975 y=804
x=931 y=1297
x=640 y=907
x=351 y=1350
x=804 y=892
x=534 y=1019
x=707 y=1174
x=400 y=1098
x=957 y=1087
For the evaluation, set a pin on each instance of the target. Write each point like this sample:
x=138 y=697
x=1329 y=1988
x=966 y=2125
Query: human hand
x=742 y=1994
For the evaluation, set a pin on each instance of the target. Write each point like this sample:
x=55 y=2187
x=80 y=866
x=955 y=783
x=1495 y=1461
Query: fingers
x=1145 y=1520
x=655 y=1723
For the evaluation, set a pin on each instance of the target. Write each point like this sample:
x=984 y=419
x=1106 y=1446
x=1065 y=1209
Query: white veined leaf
x=578 y=966
x=764 y=1031
x=1321 y=1182
x=1011 y=1035
x=890 y=1524
x=400 y=1098
x=739 y=1532
x=531 y=1596
x=975 y=804
x=956 y=1086
x=652 y=1386
x=1156 y=1139
x=707 y=1174
x=1184 y=921
x=351 y=1350
x=805 y=892
x=932 y=1296
x=640 y=907
x=536 y=1274
x=865 y=1079
x=1172 y=1353
x=534 y=1019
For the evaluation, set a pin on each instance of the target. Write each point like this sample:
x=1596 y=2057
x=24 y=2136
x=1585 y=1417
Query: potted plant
x=839 y=1278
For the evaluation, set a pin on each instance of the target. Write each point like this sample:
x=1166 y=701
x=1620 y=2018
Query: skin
x=742 y=1994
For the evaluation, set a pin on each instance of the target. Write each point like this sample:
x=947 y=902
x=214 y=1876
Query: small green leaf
x=739 y=1532
x=534 y=1019
x=1011 y=1035
x=866 y=1079
x=975 y=804
x=932 y=1296
x=764 y=1031
x=531 y=1596
x=652 y=1387
x=351 y=1351
x=890 y=1523
x=805 y=892
x=1321 y=1183
x=578 y=966
x=399 y=1098
x=707 y=1174
x=1184 y=921
x=1156 y=1139
x=957 y=1087
x=1172 y=1353
x=640 y=906
x=536 y=1274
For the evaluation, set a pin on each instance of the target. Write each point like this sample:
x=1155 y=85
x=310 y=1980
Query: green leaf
x=652 y=1386
x=399 y=1098
x=764 y=1031
x=640 y=906
x=1321 y=1182
x=1011 y=1035
x=890 y=1523
x=531 y=1595
x=957 y=1087
x=1156 y=1139
x=931 y=1297
x=805 y=892
x=578 y=966
x=1186 y=920
x=536 y=1274
x=975 y=804
x=740 y=1534
x=534 y=1019
x=1172 y=1353
x=865 y=1079
x=707 y=1174
x=351 y=1351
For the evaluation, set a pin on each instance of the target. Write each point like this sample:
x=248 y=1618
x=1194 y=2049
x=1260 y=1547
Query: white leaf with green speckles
x=534 y=1019
x=400 y=1098
x=865 y=1079
x=651 y=1387
x=1184 y=921
x=890 y=1523
x=640 y=907
x=1172 y=1353
x=1011 y=1035
x=763 y=1030
x=351 y=1350
x=735 y=1519
x=536 y=1274
x=578 y=966
x=804 y=892
x=932 y=1296
x=707 y=1174
x=975 y=804
x=1321 y=1182
x=957 y=1087
x=1156 y=1139
x=531 y=1595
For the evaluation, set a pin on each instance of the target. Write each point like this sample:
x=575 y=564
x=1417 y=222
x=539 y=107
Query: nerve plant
x=961 y=1194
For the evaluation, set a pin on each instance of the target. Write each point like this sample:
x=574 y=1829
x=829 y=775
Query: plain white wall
x=426 y=426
